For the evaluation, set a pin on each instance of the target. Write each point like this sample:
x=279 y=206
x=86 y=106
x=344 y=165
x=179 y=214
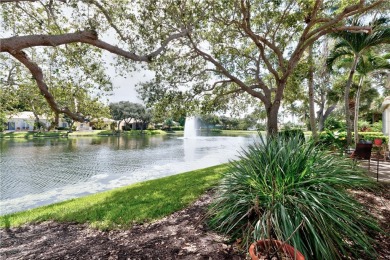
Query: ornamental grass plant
x=289 y=190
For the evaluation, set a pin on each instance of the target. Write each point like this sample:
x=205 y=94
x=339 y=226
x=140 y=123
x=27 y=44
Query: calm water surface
x=39 y=172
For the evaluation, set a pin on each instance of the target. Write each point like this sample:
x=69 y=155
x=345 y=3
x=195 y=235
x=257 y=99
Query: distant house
x=386 y=116
x=132 y=125
x=82 y=126
x=24 y=121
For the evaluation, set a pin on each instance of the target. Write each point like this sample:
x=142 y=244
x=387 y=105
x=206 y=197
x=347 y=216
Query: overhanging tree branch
x=15 y=45
x=89 y=37
x=226 y=73
x=246 y=26
x=37 y=74
x=18 y=1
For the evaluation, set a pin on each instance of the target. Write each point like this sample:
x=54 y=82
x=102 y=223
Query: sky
x=125 y=87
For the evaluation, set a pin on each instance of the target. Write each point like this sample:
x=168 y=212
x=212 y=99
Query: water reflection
x=39 y=172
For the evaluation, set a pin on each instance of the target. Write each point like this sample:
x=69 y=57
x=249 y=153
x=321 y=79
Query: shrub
x=177 y=128
x=333 y=140
x=292 y=191
x=216 y=131
x=292 y=133
x=333 y=123
x=61 y=128
x=364 y=126
x=377 y=126
x=370 y=136
x=3 y=121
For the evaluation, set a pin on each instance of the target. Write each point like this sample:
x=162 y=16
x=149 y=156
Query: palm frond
x=336 y=55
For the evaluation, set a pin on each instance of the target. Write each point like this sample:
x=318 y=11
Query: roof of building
x=385 y=104
x=25 y=115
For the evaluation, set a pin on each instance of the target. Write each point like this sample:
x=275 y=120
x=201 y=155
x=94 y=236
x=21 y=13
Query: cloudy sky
x=124 y=88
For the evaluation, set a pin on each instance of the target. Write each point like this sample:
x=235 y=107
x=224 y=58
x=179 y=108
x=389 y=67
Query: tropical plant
x=377 y=126
x=289 y=190
x=333 y=123
x=368 y=64
x=356 y=44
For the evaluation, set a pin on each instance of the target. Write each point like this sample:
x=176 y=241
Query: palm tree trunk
x=346 y=101
x=357 y=104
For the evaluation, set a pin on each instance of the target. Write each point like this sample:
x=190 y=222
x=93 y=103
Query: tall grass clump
x=289 y=190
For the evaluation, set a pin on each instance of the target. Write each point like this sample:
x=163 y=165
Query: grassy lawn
x=144 y=132
x=59 y=134
x=122 y=207
x=240 y=132
x=29 y=135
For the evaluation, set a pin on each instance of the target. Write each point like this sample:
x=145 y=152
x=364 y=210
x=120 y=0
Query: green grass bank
x=65 y=134
x=123 y=207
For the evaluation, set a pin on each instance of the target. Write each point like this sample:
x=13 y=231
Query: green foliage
x=144 y=132
x=292 y=133
x=100 y=125
x=377 y=126
x=364 y=126
x=286 y=189
x=3 y=121
x=333 y=140
x=124 y=207
x=291 y=126
x=216 y=131
x=261 y=127
x=128 y=111
x=28 y=135
x=177 y=128
x=370 y=136
x=333 y=123
x=337 y=140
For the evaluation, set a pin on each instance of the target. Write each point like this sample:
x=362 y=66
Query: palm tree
x=355 y=45
x=368 y=64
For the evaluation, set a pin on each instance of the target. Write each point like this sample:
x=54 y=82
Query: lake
x=43 y=171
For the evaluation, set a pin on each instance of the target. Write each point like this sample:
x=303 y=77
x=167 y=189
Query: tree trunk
x=357 y=104
x=56 y=120
x=322 y=118
x=37 y=123
x=346 y=101
x=119 y=123
x=311 y=95
x=272 y=118
x=71 y=126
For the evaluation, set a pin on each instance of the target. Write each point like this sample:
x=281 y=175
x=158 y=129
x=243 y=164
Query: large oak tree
x=242 y=46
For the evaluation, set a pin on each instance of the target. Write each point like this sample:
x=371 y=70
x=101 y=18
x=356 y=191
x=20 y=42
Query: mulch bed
x=182 y=235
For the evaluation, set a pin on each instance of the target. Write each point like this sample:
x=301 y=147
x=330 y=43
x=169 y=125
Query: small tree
x=127 y=111
x=355 y=45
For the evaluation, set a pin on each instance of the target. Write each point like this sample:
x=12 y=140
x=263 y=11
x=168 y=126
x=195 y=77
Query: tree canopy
x=208 y=53
x=240 y=50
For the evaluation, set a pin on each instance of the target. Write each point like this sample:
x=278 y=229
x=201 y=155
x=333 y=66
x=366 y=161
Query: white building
x=24 y=121
x=385 y=108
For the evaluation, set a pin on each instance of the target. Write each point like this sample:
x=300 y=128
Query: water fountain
x=190 y=127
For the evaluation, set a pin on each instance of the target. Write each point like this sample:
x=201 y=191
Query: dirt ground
x=182 y=235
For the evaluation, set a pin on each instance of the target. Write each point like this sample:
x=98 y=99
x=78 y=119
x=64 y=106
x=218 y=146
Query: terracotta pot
x=378 y=141
x=286 y=248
